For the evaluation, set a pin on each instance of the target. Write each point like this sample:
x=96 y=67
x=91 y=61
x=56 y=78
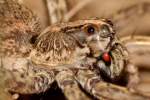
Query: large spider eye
x=90 y=30
x=105 y=31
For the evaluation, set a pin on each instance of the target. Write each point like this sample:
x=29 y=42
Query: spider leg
x=24 y=77
x=102 y=90
x=70 y=87
x=131 y=71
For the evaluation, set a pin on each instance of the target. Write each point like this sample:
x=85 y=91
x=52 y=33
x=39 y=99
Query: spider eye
x=105 y=31
x=90 y=30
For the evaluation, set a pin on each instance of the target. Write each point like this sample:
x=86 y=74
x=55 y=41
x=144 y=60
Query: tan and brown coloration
x=65 y=53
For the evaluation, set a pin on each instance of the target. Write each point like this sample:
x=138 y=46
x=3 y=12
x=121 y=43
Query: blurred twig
x=76 y=9
x=20 y=1
x=139 y=48
x=56 y=10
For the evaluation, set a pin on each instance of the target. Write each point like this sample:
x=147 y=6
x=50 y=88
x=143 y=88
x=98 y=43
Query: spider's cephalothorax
x=65 y=53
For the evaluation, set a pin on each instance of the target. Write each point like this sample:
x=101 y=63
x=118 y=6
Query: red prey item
x=106 y=57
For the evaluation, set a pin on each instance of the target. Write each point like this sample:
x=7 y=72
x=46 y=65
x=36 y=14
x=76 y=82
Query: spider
x=83 y=55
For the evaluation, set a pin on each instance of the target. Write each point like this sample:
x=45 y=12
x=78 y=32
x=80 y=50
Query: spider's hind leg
x=70 y=87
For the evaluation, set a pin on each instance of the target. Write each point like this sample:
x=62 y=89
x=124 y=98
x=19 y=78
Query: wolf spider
x=83 y=57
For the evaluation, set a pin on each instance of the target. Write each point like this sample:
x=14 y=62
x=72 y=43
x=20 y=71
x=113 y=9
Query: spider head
x=95 y=34
x=99 y=36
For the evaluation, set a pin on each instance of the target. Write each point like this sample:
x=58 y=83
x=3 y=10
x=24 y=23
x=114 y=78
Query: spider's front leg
x=69 y=86
x=102 y=90
x=131 y=71
x=23 y=77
